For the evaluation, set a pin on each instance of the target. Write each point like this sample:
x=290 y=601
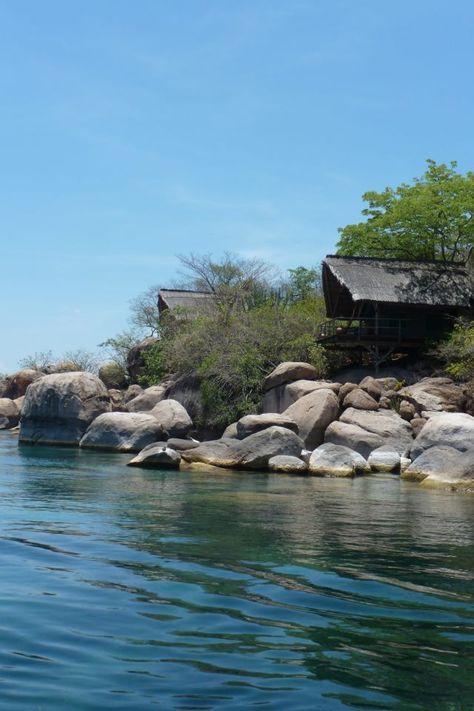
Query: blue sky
x=133 y=132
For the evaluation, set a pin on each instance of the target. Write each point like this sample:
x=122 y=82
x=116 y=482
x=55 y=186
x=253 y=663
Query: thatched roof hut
x=352 y=284
x=385 y=306
x=182 y=303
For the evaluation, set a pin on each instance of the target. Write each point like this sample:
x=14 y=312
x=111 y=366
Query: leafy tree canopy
x=430 y=219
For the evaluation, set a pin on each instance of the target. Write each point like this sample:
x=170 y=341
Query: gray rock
x=385 y=403
x=388 y=384
x=253 y=452
x=59 y=408
x=182 y=445
x=288 y=465
x=249 y=424
x=417 y=424
x=442 y=465
x=336 y=460
x=15 y=385
x=259 y=448
x=156 y=456
x=451 y=429
x=384 y=459
x=404 y=463
x=288 y=372
x=116 y=399
x=19 y=403
x=147 y=399
x=371 y=386
x=364 y=431
x=219 y=453
x=437 y=394
x=280 y=398
x=231 y=431
x=360 y=399
x=172 y=417
x=132 y=392
x=407 y=410
x=9 y=414
x=345 y=390
x=313 y=413
x=122 y=432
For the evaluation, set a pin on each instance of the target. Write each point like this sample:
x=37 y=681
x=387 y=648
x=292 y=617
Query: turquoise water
x=130 y=589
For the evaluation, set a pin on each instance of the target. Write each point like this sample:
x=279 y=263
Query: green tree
x=433 y=218
x=304 y=283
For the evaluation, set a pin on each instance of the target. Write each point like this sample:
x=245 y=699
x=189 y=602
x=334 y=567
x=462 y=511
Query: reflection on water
x=130 y=589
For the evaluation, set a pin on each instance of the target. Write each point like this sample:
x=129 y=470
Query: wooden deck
x=370 y=332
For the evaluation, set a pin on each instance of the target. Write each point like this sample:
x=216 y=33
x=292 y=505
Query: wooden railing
x=394 y=330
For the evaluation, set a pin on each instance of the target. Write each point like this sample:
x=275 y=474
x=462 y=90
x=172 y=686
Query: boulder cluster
x=306 y=425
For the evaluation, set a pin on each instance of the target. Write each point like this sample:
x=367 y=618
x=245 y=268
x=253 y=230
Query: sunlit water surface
x=131 y=589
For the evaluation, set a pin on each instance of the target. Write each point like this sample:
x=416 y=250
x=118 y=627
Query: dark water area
x=132 y=589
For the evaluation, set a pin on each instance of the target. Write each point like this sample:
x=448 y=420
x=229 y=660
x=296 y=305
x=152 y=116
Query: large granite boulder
x=452 y=429
x=136 y=359
x=442 y=465
x=313 y=413
x=122 y=432
x=253 y=452
x=280 y=398
x=223 y=452
x=58 y=408
x=249 y=424
x=288 y=372
x=360 y=400
x=259 y=448
x=337 y=460
x=384 y=459
x=172 y=417
x=15 y=385
x=156 y=456
x=147 y=399
x=435 y=394
x=364 y=431
x=9 y=414
x=285 y=464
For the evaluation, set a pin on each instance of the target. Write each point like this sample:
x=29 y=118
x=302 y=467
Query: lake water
x=130 y=589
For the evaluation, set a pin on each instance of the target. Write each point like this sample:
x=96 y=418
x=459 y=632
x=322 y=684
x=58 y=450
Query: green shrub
x=232 y=354
x=457 y=351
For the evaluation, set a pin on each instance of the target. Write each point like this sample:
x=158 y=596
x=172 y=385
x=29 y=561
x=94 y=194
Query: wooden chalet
x=185 y=304
x=389 y=305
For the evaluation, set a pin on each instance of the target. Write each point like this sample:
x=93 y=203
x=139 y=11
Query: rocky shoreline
x=307 y=426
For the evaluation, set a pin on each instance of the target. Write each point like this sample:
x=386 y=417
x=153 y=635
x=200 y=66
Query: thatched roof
x=395 y=281
x=185 y=304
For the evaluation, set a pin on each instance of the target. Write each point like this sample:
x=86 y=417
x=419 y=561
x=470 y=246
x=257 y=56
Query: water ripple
x=133 y=590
